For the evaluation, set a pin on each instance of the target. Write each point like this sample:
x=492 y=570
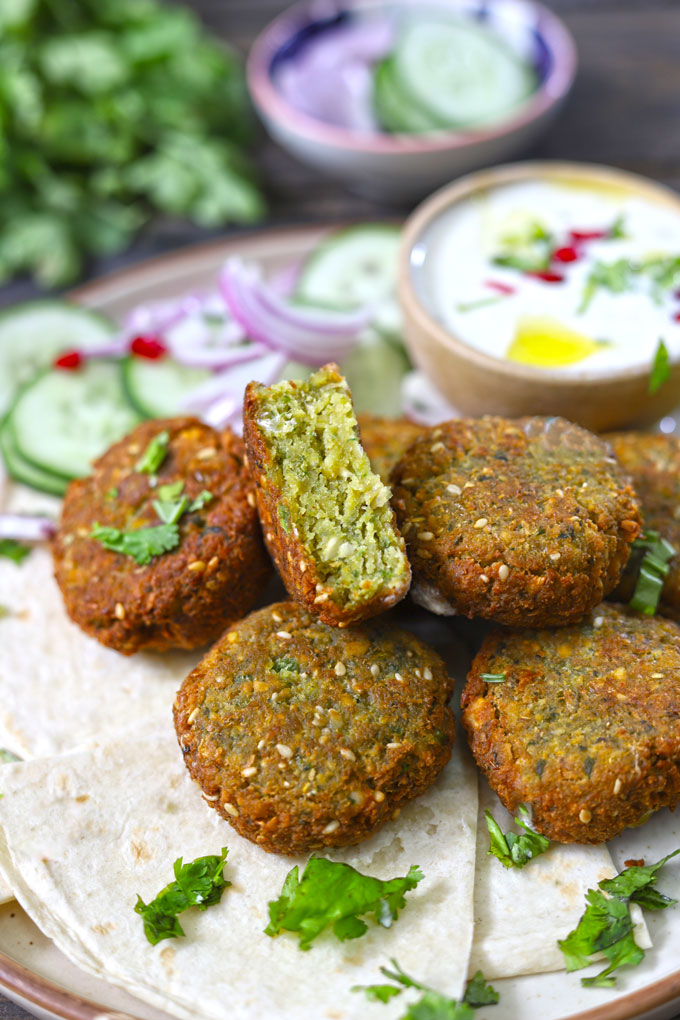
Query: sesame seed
x=284 y=635
x=196 y=566
x=424 y=554
x=349 y=755
x=407 y=481
x=356 y=796
x=617 y=786
x=231 y=810
x=598 y=621
x=331 y=827
x=436 y=434
x=584 y=816
x=657 y=676
x=251 y=499
x=555 y=556
x=468 y=485
x=192 y=715
x=250 y=771
x=232 y=637
x=559 y=492
x=302 y=566
x=119 y=611
x=206 y=453
x=375 y=669
x=484 y=578
x=396 y=813
x=379 y=796
x=212 y=798
x=503 y=572
x=425 y=536
x=339 y=669
x=399 y=678
x=481 y=522
x=284 y=750
x=277 y=617
x=455 y=490
x=417 y=672
x=212 y=562
x=620 y=673
x=427 y=673
x=322 y=598
x=436 y=447
x=260 y=744
x=394 y=743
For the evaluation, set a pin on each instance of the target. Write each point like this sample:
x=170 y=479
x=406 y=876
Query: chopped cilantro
x=170 y=511
x=200 y=883
x=285 y=664
x=472 y=306
x=661 y=369
x=653 y=569
x=664 y=273
x=173 y=490
x=432 y=1005
x=154 y=455
x=201 y=500
x=618 y=228
x=614 y=276
x=8 y=757
x=531 y=262
x=494 y=678
x=142 y=544
x=111 y=493
x=13 y=550
x=334 y=894
x=606 y=926
x=515 y=851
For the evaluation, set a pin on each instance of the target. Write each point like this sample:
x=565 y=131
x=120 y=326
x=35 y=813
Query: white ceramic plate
x=40 y=978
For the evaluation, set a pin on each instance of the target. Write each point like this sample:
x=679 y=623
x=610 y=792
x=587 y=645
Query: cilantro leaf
x=142 y=544
x=435 y=1006
x=661 y=369
x=173 y=490
x=515 y=851
x=13 y=550
x=332 y=894
x=154 y=455
x=479 y=993
x=613 y=276
x=201 y=500
x=657 y=552
x=200 y=883
x=432 y=1005
x=606 y=926
x=170 y=511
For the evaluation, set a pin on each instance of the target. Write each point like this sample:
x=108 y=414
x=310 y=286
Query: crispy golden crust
x=653 y=463
x=303 y=736
x=294 y=561
x=386 y=440
x=183 y=598
x=522 y=522
x=586 y=726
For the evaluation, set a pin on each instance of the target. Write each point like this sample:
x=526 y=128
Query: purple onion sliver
x=221 y=411
x=217 y=358
x=25 y=528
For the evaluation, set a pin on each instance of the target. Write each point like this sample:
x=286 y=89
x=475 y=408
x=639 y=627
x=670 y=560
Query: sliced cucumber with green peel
x=352 y=267
x=374 y=371
x=33 y=334
x=396 y=110
x=23 y=471
x=461 y=73
x=155 y=388
x=62 y=421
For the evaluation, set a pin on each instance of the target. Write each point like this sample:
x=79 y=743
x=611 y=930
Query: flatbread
x=521 y=913
x=82 y=835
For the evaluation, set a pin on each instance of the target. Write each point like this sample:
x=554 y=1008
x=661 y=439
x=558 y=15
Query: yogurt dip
x=560 y=274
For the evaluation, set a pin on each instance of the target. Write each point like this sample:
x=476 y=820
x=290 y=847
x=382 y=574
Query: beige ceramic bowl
x=477 y=383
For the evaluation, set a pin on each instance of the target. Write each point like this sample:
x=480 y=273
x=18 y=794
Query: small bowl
x=477 y=383
x=407 y=166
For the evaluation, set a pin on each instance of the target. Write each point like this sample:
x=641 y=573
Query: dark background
x=624 y=110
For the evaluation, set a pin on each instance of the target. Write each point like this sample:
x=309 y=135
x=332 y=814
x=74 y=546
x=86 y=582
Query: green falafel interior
x=330 y=499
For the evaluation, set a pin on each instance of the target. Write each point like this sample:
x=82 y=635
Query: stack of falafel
x=307 y=727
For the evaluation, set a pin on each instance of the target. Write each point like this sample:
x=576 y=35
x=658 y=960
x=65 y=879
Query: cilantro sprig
x=433 y=1005
x=154 y=455
x=657 y=553
x=140 y=543
x=334 y=895
x=13 y=550
x=606 y=926
x=515 y=851
x=200 y=883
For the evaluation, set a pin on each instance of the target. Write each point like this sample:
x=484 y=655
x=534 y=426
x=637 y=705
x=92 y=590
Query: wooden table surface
x=624 y=110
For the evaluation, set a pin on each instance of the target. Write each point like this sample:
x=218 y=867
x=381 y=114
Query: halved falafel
x=212 y=572
x=305 y=736
x=584 y=726
x=326 y=516
x=525 y=522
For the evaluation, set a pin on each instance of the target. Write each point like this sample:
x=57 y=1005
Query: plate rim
x=45 y=994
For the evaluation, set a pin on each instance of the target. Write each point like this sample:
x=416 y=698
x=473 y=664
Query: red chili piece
x=69 y=361
x=588 y=235
x=148 y=347
x=676 y=317
x=547 y=276
x=566 y=254
x=502 y=288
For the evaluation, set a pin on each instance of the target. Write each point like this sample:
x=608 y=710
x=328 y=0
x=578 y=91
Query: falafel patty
x=326 y=516
x=305 y=736
x=653 y=463
x=522 y=522
x=212 y=574
x=386 y=440
x=585 y=726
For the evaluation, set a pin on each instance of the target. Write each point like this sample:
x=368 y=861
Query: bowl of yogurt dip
x=547 y=288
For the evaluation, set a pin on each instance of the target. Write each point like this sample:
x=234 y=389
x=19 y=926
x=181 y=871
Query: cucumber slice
x=374 y=371
x=62 y=421
x=463 y=74
x=32 y=334
x=22 y=471
x=155 y=388
x=395 y=108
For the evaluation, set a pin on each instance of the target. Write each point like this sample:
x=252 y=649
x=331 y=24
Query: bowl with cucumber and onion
x=396 y=98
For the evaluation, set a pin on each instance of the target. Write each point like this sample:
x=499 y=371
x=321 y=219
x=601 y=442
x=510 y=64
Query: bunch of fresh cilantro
x=111 y=110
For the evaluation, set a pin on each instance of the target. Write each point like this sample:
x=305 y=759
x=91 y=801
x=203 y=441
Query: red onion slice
x=26 y=528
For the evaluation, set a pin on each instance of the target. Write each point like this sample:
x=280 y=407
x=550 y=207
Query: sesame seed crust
x=278 y=734
x=532 y=520
x=585 y=728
